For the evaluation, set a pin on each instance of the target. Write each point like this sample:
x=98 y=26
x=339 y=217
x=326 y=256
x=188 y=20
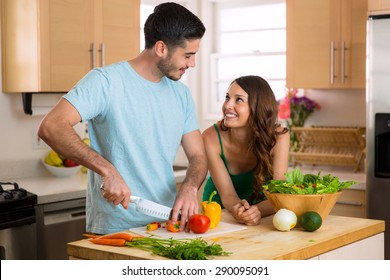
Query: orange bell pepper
x=173 y=227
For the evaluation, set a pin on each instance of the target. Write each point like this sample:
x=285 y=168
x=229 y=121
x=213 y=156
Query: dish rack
x=342 y=146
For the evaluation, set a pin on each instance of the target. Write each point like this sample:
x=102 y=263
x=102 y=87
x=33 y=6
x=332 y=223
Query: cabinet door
x=66 y=37
x=326 y=43
x=19 y=43
x=309 y=40
x=117 y=28
x=353 y=38
x=49 y=45
x=378 y=5
x=45 y=44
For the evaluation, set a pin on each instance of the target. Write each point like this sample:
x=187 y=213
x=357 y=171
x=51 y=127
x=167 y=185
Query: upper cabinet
x=48 y=45
x=326 y=43
x=379 y=6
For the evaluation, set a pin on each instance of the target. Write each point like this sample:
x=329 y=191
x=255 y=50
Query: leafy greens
x=298 y=183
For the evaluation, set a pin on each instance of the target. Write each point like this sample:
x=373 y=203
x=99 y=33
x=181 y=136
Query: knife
x=151 y=208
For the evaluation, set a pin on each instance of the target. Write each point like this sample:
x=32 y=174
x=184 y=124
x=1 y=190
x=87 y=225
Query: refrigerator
x=378 y=122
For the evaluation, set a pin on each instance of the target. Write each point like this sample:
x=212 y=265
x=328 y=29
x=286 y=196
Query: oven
x=18 y=238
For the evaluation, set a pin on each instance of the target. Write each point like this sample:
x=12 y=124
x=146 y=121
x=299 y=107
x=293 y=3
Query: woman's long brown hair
x=263 y=121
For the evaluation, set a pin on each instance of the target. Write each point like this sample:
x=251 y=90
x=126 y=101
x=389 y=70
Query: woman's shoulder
x=282 y=131
x=210 y=134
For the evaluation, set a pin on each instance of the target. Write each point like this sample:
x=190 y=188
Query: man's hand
x=186 y=205
x=115 y=190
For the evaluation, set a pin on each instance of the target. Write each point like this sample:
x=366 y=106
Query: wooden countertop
x=256 y=242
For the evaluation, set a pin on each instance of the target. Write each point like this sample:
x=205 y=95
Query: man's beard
x=166 y=67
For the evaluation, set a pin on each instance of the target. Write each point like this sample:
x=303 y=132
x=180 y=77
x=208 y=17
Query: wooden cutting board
x=222 y=228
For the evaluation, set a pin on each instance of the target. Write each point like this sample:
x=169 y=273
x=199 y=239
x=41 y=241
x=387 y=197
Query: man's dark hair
x=173 y=24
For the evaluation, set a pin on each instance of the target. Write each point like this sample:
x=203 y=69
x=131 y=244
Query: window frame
x=211 y=108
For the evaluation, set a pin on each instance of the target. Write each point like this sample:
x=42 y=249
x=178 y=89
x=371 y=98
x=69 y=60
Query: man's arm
x=187 y=200
x=56 y=129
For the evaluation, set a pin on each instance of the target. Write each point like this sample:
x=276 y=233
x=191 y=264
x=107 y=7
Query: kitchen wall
x=346 y=107
x=18 y=157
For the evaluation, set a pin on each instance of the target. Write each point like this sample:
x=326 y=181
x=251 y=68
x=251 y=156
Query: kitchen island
x=338 y=238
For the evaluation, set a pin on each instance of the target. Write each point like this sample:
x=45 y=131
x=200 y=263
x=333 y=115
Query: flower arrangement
x=295 y=110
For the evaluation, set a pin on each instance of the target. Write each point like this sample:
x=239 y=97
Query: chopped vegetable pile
x=179 y=249
x=298 y=183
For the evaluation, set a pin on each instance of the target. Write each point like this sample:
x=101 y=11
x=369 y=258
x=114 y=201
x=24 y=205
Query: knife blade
x=151 y=208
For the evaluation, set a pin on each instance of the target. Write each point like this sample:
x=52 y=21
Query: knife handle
x=134 y=199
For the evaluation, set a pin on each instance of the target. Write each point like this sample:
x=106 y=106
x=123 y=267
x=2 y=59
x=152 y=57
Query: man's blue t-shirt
x=137 y=125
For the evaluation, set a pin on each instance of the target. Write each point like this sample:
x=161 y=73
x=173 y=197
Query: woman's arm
x=218 y=171
x=280 y=167
x=280 y=155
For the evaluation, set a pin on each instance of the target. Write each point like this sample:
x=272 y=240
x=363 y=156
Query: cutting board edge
x=183 y=235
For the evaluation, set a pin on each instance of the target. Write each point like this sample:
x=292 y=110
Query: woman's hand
x=246 y=214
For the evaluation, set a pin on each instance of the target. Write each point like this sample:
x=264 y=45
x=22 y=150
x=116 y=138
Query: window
x=250 y=39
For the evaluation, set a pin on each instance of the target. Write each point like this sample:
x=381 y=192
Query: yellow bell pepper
x=212 y=210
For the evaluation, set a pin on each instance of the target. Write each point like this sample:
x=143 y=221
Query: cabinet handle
x=332 y=62
x=102 y=52
x=92 y=50
x=342 y=62
x=353 y=203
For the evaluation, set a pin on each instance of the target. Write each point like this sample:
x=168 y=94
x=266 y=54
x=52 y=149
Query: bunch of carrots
x=112 y=239
x=179 y=249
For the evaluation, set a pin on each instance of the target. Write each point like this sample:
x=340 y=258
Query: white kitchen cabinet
x=370 y=248
x=48 y=45
x=326 y=43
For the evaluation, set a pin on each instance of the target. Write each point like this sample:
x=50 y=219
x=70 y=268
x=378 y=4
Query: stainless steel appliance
x=17 y=223
x=378 y=122
x=57 y=224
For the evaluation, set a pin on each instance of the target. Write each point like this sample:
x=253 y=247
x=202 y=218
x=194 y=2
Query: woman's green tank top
x=243 y=183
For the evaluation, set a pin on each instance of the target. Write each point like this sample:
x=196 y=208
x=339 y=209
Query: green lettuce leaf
x=298 y=183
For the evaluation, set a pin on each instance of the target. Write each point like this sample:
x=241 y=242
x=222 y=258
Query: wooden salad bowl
x=302 y=203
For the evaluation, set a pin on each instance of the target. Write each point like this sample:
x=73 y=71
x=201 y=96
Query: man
x=138 y=115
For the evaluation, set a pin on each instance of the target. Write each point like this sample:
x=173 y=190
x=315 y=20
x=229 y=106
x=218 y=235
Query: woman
x=246 y=149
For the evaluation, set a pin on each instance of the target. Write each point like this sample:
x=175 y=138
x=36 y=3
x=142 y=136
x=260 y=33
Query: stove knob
x=20 y=193
x=6 y=195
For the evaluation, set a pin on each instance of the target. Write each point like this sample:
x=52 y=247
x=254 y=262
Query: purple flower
x=300 y=109
x=305 y=103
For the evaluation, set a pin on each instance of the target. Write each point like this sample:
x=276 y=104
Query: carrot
x=111 y=242
x=118 y=235
x=90 y=235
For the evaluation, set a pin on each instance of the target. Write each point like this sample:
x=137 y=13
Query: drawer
x=351 y=203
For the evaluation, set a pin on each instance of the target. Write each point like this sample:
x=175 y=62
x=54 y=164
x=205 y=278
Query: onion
x=284 y=220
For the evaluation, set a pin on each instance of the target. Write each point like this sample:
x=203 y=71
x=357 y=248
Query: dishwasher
x=57 y=224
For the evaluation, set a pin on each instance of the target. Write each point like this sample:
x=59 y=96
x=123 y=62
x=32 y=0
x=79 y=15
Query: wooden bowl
x=302 y=203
